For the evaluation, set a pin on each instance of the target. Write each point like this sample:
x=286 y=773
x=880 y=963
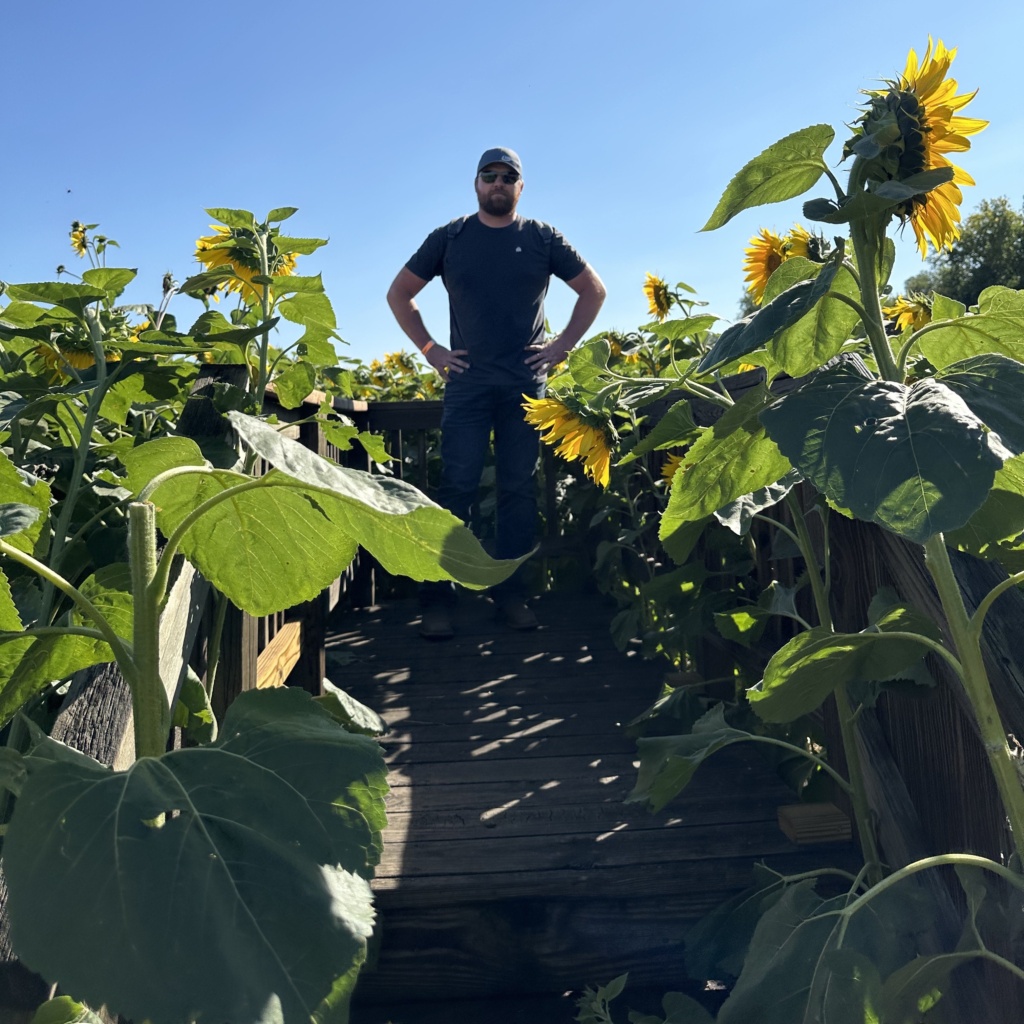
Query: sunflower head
x=913 y=311
x=908 y=128
x=79 y=238
x=236 y=248
x=669 y=467
x=659 y=298
x=763 y=256
x=574 y=433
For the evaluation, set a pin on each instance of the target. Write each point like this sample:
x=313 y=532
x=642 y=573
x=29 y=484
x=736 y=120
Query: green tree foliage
x=990 y=251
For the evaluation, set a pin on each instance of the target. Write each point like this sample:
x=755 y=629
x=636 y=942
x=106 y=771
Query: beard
x=498 y=203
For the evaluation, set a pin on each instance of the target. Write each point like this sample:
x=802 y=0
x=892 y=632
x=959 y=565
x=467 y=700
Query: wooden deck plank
x=512 y=863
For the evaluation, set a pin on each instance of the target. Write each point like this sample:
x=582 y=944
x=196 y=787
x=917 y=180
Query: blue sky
x=630 y=119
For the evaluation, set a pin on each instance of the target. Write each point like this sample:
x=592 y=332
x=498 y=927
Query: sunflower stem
x=847 y=718
x=967 y=642
x=866 y=251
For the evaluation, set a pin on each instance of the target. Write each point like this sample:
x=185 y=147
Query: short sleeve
x=566 y=262
x=427 y=261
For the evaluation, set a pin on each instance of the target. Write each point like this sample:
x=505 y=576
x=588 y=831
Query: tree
x=990 y=251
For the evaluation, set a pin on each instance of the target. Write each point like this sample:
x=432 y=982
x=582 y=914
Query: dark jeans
x=471 y=413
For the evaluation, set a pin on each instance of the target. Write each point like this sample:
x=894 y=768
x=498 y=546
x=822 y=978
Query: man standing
x=496 y=267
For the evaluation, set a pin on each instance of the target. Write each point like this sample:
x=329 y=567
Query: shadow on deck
x=512 y=868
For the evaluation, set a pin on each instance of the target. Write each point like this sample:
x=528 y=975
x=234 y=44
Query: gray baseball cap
x=500 y=155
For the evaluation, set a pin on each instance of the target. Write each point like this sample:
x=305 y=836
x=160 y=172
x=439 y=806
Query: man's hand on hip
x=447 y=362
x=543 y=357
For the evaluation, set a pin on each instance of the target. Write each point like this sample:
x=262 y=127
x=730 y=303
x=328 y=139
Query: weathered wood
x=276 y=661
x=815 y=823
x=239 y=655
x=511 y=862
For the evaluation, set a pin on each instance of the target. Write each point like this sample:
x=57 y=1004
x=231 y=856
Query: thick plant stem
x=976 y=684
x=847 y=725
x=149 y=699
x=867 y=255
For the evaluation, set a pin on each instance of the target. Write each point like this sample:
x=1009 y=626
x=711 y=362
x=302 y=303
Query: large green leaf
x=668 y=763
x=677 y=330
x=801 y=674
x=303 y=246
x=991 y=386
x=784 y=170
x=786 y=309
x=999 y=299
x=730 y=459
x=915 y=460
x=113 y=280
x=1001 y=332
x=293 y=384
x=233 y=218
x=674 y=429
x=29 y=664
x=999 y=520
x=821 y=332
x=69 y=296
x=110 y=591
x=820 y=961
x=291 y=533
x=64 y=1010
x=228 y=882
x=17 y=490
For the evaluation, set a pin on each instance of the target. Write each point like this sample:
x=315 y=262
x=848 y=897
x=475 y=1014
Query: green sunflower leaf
x=991 y=386
x=786 y=169
x=821 y=332
x=294 y=384
x=207 y=870
x=806 y=670
x=677 y=330
x=999 y=299
x=29 y=664
x=732 y=458
x=999 y=523
x=239 y=546
x=290 y=284
x=15 y=518
x=280 y=213
x=30 y=537
x=1001 y=333
x=72 y=297
x=233 y=218
x=674 y=429
x=113 y=280
x=302 y=246
x=915 y=460
x=759 y=328
x=668 y=763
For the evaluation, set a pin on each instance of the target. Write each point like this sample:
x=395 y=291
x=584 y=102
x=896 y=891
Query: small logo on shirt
x=518 y=249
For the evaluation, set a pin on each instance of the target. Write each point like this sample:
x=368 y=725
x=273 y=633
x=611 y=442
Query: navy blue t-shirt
x=496 y=279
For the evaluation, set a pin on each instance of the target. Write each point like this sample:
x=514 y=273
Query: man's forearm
x=409 y=318
x=584 y=313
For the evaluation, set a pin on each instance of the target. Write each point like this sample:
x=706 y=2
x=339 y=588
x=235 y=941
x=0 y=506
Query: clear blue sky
x=629 y=117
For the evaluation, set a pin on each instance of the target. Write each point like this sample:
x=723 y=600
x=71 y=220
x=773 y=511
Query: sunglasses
x=490 y=177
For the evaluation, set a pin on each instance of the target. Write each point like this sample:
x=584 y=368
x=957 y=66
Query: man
x=496 y=267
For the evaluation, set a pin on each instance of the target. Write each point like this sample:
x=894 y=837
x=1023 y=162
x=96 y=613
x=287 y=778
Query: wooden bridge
x=513 y=872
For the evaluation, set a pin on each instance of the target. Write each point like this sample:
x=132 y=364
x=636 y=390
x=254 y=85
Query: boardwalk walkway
x=512 y=869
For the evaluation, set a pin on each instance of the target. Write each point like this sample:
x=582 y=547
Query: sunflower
x=659 y=299
x=765 y=254
x=669 y=467
x=913 y=311
x=575 y=438
x=917 y=116
x=242 y=259
x=78 y=238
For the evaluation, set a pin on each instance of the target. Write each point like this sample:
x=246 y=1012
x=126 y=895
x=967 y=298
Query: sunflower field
x=199 y=866
x=727 y=452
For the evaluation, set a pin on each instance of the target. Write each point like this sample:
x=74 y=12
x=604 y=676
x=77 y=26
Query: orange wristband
x=429 y=345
